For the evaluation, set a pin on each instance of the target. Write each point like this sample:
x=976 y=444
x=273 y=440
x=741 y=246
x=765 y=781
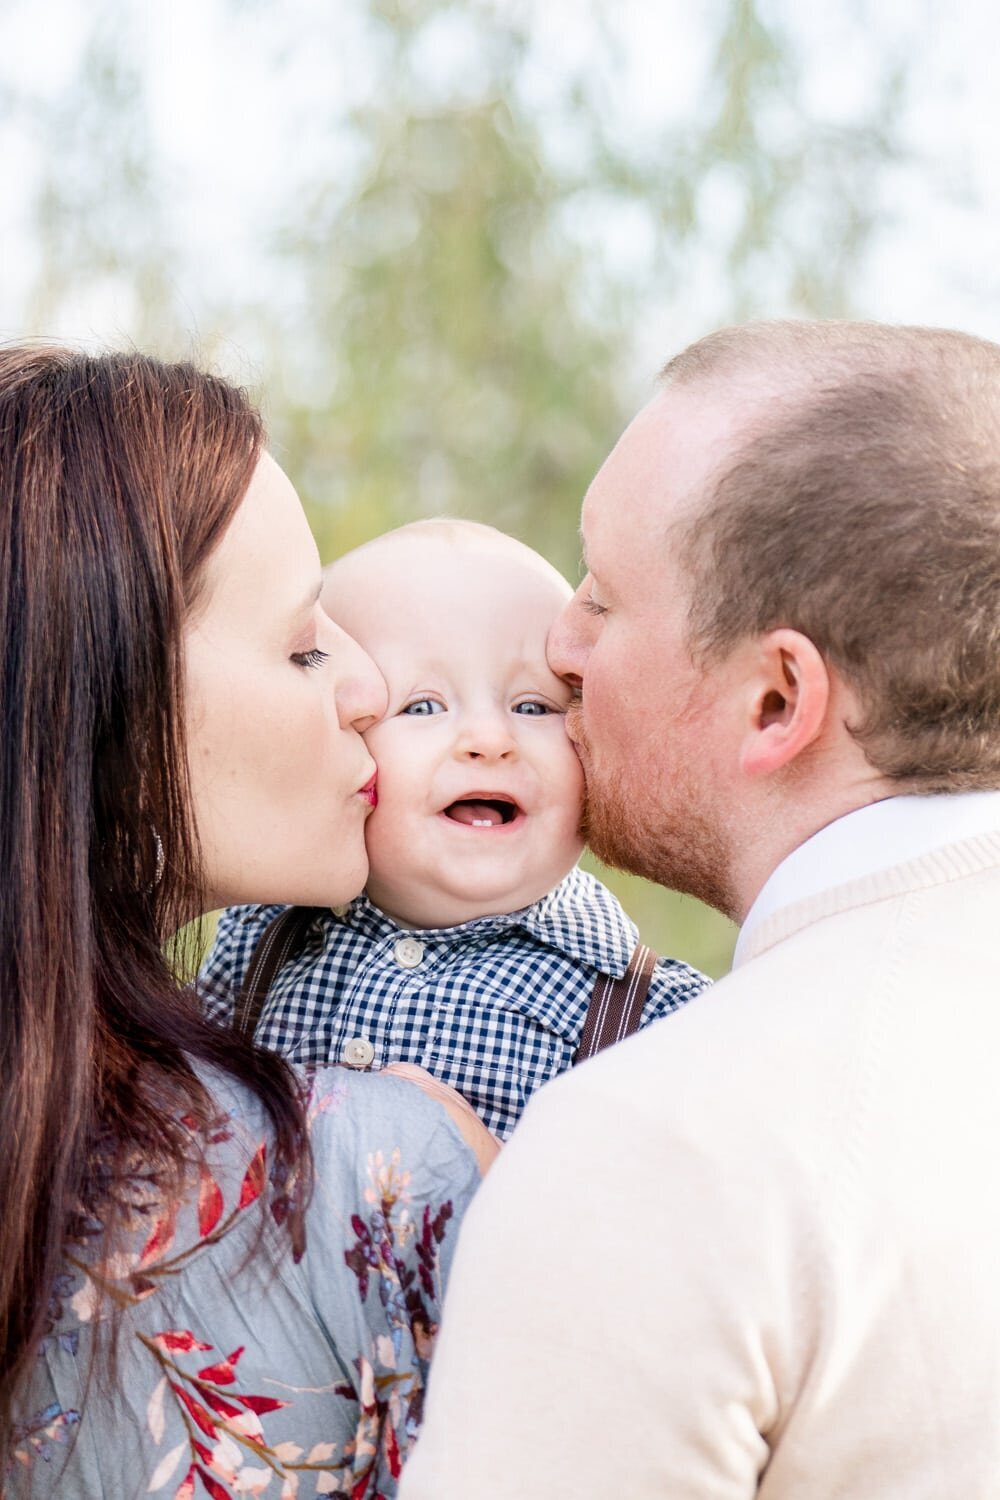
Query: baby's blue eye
x=532 y=709
x=423 y=707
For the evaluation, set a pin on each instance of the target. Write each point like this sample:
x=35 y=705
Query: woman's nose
x=360 y=692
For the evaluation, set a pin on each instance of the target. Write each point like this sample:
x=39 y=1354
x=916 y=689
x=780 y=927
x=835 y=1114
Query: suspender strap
x=281 y=940
x=616 y=1005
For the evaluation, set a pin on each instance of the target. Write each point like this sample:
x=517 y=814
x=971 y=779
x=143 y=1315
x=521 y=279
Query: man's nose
x=570 y=638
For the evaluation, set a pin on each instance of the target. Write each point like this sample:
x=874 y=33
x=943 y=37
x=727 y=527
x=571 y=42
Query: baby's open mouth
x=482 y=812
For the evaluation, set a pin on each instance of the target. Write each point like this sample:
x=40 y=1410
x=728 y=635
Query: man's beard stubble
x=668 y=840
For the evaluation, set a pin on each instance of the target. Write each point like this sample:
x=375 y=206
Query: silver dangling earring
x=160 y=861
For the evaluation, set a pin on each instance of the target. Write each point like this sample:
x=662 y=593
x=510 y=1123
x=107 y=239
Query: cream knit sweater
x=754 y=1250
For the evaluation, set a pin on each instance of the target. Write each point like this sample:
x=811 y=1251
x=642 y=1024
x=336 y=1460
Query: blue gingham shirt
x=495 y=1006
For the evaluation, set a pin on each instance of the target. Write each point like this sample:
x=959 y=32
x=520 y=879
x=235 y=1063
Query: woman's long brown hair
x=118 y=478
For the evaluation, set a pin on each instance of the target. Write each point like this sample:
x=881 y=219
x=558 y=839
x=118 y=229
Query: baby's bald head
x=399 y=564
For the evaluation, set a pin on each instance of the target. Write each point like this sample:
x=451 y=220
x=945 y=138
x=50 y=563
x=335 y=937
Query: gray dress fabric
x=239 y=1370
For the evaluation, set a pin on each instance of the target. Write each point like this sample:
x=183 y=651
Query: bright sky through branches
x=232 y=110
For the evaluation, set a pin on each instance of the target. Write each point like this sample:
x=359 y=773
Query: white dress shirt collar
x=870 y=838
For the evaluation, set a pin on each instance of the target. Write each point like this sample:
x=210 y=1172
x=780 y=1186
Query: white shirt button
x=358 y=1052
x=408 y=952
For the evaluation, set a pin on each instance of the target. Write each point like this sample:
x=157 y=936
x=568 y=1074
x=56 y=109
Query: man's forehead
x=633 y=483
x=665 y=460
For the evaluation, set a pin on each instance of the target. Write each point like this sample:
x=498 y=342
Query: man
x=756 y=1250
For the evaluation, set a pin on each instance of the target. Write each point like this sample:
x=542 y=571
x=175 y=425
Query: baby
x=475 y=948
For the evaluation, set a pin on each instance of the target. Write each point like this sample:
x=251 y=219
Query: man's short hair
x=863 y=509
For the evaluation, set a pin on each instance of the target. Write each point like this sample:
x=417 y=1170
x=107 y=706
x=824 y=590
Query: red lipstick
x=369 y=791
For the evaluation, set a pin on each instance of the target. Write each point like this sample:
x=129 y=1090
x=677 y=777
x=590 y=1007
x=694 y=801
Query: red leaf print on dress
x=185 y=1490
x=209 y=1202
x=178 y=1341
x=161 y=1238
x=224 y=1373
x=216 y=1490
x=203 y=1418
x=253 y=1182
x=262 y=1404
x=392 y=1453
x=223 y=1408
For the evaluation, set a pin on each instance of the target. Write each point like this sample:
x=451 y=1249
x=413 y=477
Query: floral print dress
x=240 y=1371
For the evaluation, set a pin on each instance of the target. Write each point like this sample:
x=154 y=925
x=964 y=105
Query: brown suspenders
x=281 y=940
x=615 y=1006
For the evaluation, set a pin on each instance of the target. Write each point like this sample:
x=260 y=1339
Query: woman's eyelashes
x=313 y=658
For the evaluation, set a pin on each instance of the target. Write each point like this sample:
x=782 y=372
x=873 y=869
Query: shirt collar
x=584 y=920
x=868 y=839
x=579 y=917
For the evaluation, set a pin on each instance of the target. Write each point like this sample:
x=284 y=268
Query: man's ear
x=789 y=693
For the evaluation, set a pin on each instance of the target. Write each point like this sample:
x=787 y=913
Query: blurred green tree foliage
x=460 y=374
x=465 y=381
x=451 y=320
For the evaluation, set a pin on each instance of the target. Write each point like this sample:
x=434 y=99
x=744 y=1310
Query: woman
x=216 y=1277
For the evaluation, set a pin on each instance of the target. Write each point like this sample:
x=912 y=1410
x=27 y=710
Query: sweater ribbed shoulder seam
x=940 y=866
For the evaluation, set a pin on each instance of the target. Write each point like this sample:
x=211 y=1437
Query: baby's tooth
x=481 y=823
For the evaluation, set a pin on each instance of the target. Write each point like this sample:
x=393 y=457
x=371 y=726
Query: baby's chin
x=430 y=909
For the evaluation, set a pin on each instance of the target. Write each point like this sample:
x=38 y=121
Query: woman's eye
x=424 y=707
x=531 y=708
x=313 y=658
x=592 y=607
